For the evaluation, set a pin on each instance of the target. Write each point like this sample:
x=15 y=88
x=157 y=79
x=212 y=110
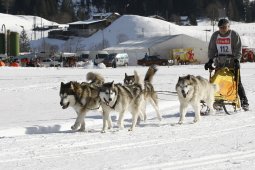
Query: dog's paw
x=81 y=130
x=130 y=129
x=180 y=122
x=103 y=131
x=196 y=120
x=74 y=127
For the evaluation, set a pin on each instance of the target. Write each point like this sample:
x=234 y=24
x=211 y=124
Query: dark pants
x=241 y=92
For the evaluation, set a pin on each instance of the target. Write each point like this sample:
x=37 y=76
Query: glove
x=208 y=65
x=236 y=64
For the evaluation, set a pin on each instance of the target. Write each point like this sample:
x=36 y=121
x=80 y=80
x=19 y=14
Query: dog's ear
x=61 y=84
x=125 y=74
x=112 y=83
x=71 y=85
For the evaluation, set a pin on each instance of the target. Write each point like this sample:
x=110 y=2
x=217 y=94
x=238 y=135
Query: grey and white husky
x=150 y=94
x=192 y=90
x=82 y=97
x=122 y=98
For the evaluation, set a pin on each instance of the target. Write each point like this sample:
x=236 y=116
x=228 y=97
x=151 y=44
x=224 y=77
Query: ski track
x=71 y=147
x=197 y=162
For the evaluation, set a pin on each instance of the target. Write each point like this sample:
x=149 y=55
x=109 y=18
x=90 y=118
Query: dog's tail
x=150 y=73
x=138 y=80
x=95 y=78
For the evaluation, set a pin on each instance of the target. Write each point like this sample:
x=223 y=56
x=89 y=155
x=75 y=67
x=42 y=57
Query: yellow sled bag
x=225 y=79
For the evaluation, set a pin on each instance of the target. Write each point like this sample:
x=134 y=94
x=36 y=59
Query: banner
x=184 y=55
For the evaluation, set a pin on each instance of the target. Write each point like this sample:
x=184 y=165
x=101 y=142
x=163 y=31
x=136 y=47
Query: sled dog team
x=131 y=96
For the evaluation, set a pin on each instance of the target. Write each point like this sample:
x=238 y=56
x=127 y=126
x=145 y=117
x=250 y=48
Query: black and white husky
x=150 y=94
x=82 y=97
x=122 y=98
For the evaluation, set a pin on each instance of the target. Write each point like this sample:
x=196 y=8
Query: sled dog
x=150 y=94
x=192 y=90
x=122 y=98
x=82 y=97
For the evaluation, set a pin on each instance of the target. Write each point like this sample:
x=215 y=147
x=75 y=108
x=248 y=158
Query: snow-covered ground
x=35 y=131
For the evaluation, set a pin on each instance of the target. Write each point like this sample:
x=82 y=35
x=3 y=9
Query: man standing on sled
x=226 y=47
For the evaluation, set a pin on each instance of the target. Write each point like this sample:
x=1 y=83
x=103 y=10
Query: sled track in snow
x=55 y=149
x=41 y=86
x=202 y=161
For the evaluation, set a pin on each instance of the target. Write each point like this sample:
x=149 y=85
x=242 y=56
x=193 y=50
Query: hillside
x=127 y=27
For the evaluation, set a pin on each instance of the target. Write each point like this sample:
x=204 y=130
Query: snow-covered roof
x=141 y=43
x=86 y=22
x=145 y=42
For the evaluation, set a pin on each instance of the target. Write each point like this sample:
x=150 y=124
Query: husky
x=82 y=97
x=150 y=94
x=95 y=78
x=192 y=90
x=122 y=98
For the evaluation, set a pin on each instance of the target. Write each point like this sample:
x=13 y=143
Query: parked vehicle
x=48 y=62
x=116 y=59
x=151 y=60
x=98 y=56
x=83 y=56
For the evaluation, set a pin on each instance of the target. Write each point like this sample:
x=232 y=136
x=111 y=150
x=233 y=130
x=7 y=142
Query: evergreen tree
x=252 y=7
x=7 y=5
x=82 y=14
x=24 y=42
x=63 y=11
x=67 y=11
x=2 y=10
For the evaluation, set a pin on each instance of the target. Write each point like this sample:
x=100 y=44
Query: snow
x=35 y=131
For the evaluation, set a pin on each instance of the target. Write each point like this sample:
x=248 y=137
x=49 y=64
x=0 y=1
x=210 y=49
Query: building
x=162 y=46
x=85 y=28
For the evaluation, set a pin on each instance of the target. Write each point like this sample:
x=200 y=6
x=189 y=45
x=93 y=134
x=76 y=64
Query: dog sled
x=227 y=97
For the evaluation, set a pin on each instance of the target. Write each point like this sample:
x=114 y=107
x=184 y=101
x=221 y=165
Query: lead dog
x=82 y=97
x=192 y=90
x=122 y=98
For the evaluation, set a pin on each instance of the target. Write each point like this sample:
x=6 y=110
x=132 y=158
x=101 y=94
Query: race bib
x=224 y=45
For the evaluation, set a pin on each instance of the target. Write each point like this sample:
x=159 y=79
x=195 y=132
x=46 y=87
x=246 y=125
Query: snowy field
x=35 y=131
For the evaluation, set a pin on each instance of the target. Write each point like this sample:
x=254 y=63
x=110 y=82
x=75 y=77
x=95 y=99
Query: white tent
x=161 y=46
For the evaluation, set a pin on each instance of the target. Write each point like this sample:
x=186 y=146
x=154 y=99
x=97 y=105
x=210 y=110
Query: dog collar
x=115 y=103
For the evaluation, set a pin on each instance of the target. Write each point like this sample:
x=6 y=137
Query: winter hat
x=223 y=22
